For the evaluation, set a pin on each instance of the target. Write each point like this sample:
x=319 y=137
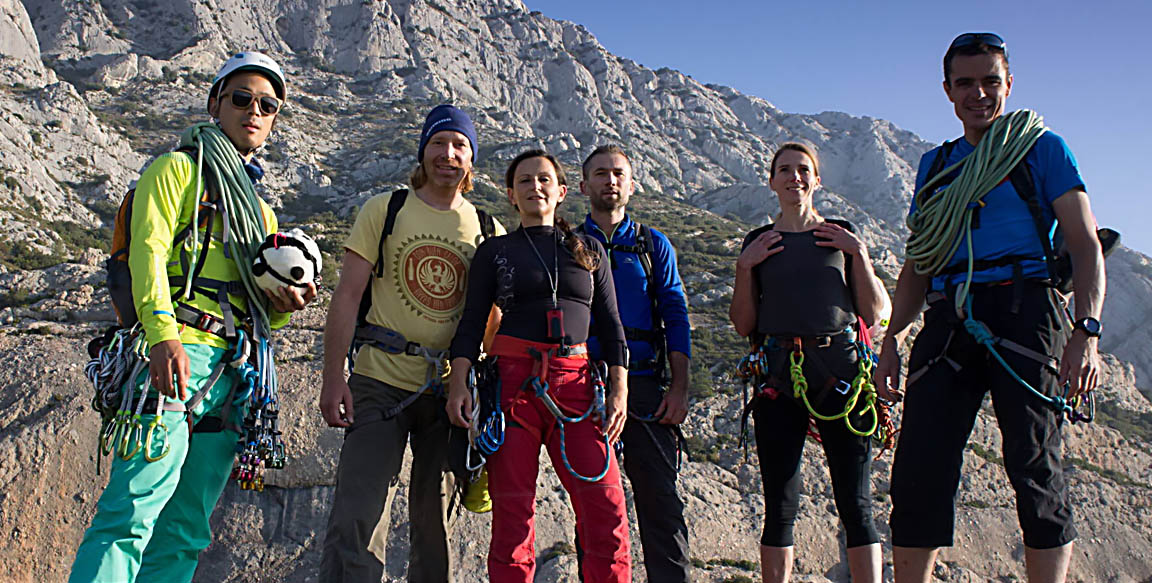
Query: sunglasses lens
x=972 y=38
x=269 y=105
x=241 y=99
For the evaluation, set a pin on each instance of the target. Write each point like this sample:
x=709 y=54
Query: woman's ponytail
x=584 y=256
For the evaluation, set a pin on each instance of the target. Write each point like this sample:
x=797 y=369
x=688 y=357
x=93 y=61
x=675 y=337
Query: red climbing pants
x=600 y=514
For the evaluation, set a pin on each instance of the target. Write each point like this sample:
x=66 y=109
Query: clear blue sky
x=1086 y=66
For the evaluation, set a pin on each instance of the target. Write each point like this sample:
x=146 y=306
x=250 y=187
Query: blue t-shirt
x=632 y=291
x=1005 y=225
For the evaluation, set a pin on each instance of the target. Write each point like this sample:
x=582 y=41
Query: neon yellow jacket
x=165 y=195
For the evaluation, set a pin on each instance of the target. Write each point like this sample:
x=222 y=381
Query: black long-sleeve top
x=506 y=272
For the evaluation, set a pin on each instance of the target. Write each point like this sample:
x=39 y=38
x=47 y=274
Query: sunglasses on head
x=980 y=38
x=242 y=99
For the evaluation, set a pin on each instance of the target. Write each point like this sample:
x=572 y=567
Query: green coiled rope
x=943 y=220
x=244 y=226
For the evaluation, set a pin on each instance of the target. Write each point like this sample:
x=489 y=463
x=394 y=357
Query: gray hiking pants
x=366 y=481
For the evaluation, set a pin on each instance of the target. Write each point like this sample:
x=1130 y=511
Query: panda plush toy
x=286 y=259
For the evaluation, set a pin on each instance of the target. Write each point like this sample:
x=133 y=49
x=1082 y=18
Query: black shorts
x=940 y=411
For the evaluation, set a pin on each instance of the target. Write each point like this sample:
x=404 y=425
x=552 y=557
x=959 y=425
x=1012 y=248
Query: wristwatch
x=1090 y=326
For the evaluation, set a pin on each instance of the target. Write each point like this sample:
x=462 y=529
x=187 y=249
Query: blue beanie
x=447 y=118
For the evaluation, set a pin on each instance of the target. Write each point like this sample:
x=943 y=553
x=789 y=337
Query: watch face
x=1090 y=325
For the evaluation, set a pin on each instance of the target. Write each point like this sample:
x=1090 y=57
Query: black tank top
x=803 y=290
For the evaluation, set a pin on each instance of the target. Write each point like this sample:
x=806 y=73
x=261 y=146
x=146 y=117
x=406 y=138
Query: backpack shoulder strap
x=487 y=224
x=644 y=242
x=646 y=246
x=394 y=205
x=1025 y=186
x=941 y=160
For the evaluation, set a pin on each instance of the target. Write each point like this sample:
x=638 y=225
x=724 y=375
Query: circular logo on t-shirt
x=432 y=278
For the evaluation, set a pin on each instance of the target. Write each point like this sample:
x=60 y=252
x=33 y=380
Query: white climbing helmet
x=250 y=61
x=286 y=259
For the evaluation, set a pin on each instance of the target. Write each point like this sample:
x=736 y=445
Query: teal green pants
x=152 y=520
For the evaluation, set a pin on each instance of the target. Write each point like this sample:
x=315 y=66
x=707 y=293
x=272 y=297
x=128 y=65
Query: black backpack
x=1056 y=256
x=643 y=249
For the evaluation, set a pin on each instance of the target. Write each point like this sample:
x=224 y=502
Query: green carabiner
x=132 y=427
x=156 y=422
x=108 y=435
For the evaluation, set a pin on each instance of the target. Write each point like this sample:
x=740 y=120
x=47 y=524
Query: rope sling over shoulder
x=220 y=172
x=943 y=220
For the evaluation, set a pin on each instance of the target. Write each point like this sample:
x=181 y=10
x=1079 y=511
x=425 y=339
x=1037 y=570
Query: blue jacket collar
x=624 y=229
x=254 y=170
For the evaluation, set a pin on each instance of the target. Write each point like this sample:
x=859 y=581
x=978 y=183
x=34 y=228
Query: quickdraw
x=486 y=435
x=113 y=370
x=540 y=388
x=261 y=447
x=156 y=423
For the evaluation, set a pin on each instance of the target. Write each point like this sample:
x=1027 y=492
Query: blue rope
x=980 y=331
x=540 y=387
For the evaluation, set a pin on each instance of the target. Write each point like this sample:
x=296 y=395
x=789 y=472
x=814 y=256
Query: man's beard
x=607 y=205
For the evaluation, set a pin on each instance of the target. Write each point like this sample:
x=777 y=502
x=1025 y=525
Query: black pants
x=781 y=429
x=941 y=407
x=650 y=463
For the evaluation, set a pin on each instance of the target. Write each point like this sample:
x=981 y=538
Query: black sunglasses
x=980 y=38
x=268 y=105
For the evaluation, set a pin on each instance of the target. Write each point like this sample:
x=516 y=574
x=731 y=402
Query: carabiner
x=133 y=426
x=108 y=435
x=156 y=422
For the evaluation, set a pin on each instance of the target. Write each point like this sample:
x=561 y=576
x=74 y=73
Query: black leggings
x=781 y=428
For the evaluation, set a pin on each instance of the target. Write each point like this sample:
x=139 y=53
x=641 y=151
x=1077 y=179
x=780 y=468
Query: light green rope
x=942 y=221
x=245 y=229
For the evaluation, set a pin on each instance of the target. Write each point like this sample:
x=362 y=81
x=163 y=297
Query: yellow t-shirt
x=421 y=294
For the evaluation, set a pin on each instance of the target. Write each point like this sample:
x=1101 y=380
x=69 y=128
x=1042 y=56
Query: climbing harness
x=861 y=400
x=1061 y=404
x=861 y=386
x=393 y=342
x=681 y=445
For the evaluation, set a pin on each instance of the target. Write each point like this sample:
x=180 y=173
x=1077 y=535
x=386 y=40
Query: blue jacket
x=632 y=291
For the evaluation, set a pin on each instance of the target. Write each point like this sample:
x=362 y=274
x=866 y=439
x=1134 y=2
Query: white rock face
x=75 y=132
x=17 y=38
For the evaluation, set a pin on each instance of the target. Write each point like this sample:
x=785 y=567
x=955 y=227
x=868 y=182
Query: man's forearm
x=338 y=332
x=908 y=301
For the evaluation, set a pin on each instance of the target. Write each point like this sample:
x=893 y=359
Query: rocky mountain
x=90 y=91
